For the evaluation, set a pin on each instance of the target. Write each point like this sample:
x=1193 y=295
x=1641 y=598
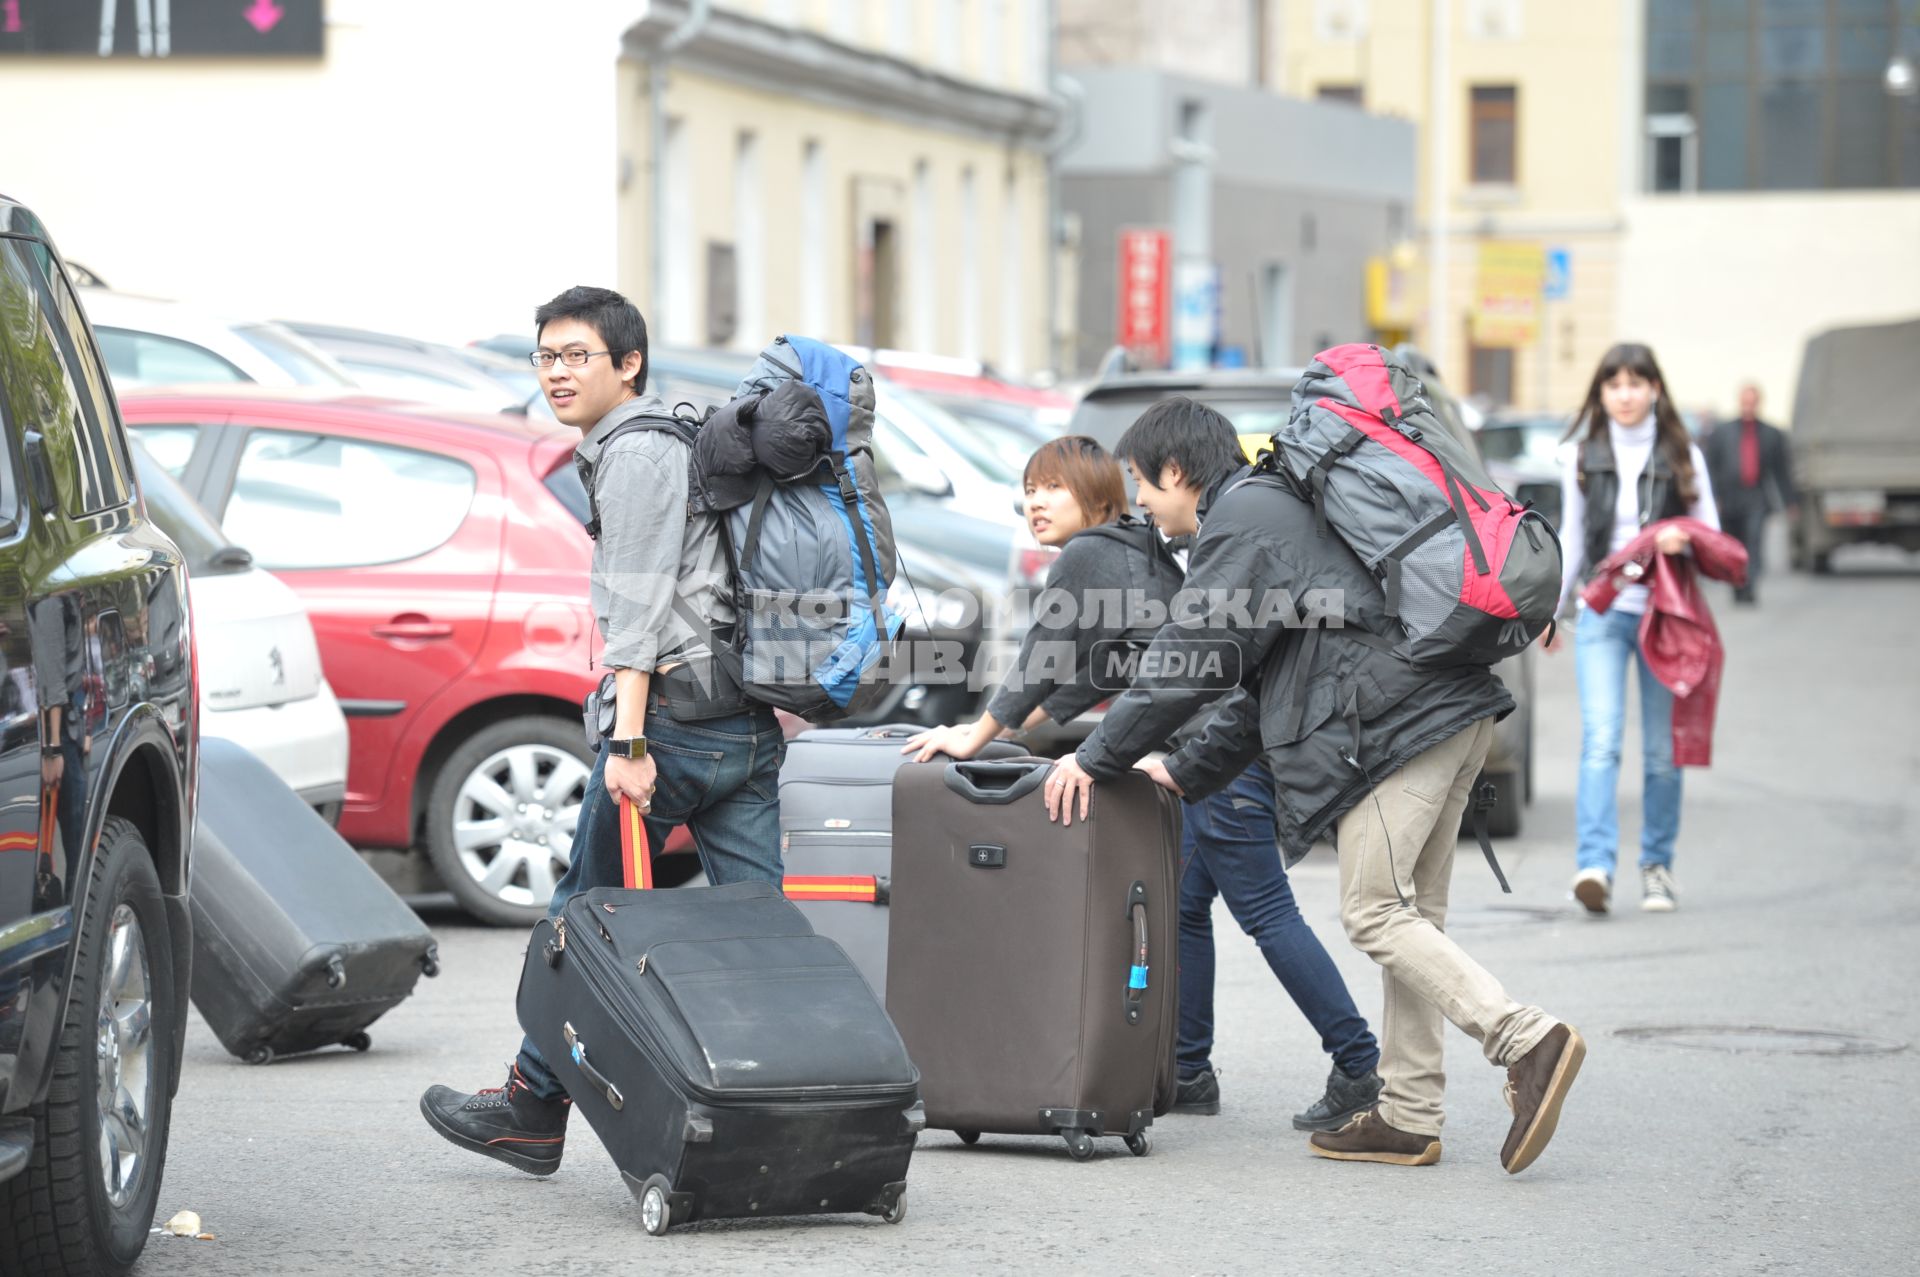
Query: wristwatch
x=633 y=747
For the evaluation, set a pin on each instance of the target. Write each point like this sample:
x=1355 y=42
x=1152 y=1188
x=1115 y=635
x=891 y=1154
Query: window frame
x=1485 y=112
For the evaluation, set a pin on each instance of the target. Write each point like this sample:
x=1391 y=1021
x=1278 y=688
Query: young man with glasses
x=686 y=747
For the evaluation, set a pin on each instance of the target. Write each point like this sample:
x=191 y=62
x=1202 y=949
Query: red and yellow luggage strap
x=636 y=859
x=860 y=887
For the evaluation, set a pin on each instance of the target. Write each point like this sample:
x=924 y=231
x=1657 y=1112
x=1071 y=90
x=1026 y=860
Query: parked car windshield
x=181 y=518
x=1534 y=440
x=293 y=359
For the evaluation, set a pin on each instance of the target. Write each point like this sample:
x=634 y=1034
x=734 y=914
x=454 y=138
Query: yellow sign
x=1392 y=294
x=1506 y=298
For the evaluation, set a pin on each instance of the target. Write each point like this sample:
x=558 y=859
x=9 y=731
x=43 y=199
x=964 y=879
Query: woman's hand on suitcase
x=632 y=778
x=1067 y=783
x=962 y=740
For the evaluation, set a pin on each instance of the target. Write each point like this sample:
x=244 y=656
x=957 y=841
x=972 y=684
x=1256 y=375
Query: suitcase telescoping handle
x=578 y=1051
x=997 y=782
x=1137 y=977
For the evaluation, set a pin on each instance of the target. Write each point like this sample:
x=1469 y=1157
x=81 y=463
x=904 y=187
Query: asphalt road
x=1797 y=870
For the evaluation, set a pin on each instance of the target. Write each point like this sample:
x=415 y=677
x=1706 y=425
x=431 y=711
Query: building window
x=1013 y=273
x=1347 y=94
x=749 y=244
x=920 y=277
x=1779 y=95
x=814 y=249
x=1494 y=120
x=1490 y=373
x=970 y=345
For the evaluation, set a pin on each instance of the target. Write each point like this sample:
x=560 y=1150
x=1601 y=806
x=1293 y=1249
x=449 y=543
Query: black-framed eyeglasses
x=571 y=358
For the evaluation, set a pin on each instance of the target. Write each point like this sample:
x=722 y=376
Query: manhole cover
x=1755 y=1038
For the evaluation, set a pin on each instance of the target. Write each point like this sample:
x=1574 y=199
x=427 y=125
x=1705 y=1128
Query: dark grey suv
x=98 y=742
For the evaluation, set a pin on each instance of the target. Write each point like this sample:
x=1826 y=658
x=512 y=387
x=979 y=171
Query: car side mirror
x=923 y=474
x=40 y=473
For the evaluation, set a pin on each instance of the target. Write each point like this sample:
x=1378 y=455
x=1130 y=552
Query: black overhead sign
x=163 y=28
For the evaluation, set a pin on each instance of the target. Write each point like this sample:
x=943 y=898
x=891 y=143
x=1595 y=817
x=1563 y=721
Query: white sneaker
x=1591 y=887
x=1656 y=886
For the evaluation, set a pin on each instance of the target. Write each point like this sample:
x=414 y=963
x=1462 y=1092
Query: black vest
x=1659 y=496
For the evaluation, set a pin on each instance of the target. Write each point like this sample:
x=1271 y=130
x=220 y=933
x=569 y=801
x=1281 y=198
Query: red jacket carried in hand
x=1677 y=634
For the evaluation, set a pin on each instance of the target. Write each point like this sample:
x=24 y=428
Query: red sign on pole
x=1146 y=270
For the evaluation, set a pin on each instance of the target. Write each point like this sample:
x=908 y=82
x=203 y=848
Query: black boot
x=1198 y=1094
x=1345 y=1097
x=508 y=1123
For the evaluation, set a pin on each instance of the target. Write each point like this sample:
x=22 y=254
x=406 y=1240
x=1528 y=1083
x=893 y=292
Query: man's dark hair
x=617 y=320
x=1199 y=440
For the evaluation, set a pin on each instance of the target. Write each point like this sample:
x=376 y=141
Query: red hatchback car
x=445 y=570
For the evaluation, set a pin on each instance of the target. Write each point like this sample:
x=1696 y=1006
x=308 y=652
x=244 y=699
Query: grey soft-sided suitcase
x=297 y=944
x=836 y=833
x=1031 y=969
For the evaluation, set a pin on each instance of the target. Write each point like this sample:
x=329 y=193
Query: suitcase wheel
x=896 y=1212
x=357 y=1041
x=968 y=1137
x=1080 y=1144
x=260 y=1055
x=891 y=1205
x=1140 y=1145
x=656 y=1212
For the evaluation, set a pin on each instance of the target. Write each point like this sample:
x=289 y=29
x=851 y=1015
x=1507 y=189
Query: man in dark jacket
x=1361 y=745
x=1751 y=468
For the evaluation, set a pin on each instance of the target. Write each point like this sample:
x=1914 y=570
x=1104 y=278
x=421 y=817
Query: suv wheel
x=86 y=1201
x=501 y=815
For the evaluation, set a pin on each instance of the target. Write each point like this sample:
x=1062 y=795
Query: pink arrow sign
x=265 y=15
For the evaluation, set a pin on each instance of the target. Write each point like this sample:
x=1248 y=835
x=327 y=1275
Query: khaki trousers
x=1402 y=835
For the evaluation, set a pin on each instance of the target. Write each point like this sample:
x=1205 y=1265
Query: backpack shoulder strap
x=683 y=428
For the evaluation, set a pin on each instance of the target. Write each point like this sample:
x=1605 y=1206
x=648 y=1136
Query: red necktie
x=1750 y=454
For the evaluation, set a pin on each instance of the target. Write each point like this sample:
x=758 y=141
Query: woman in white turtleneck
x=1635 y=465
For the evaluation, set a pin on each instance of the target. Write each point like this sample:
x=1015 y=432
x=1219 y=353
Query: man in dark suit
x=1752 y=475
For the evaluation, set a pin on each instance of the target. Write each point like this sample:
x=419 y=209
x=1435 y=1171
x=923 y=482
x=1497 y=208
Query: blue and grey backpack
x=787 y=466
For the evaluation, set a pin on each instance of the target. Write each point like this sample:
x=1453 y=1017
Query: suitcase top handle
x=997 y=782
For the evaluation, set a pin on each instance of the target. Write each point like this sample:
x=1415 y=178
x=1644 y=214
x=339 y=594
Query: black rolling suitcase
x=1032 y=966
x=297 y=944
x=732 y=1062
x=836 y=833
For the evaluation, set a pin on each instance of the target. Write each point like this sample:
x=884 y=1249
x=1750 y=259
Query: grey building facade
x=1286 y=200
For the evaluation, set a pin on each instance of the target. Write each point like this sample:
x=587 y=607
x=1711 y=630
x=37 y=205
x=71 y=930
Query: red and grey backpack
x=1471 y=575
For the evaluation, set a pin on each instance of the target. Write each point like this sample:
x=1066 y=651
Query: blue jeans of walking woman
x=1227 y=849
x=1605 y=646
x=721 y=779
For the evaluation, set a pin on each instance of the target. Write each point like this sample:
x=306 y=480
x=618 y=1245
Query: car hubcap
x=514 y=818
x=124 y=1046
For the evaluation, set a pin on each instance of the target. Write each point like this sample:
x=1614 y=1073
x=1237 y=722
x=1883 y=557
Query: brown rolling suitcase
x=1030 y=964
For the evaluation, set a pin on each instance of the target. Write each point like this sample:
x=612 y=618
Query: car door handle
x=412 y=625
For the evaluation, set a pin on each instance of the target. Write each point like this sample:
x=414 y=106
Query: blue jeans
x=1604 y=645
x=1227 y=849
x=721 y=779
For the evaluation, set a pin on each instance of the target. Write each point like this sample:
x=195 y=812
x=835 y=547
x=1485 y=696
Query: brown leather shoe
x=1368 y=1138
x=1537 y=1084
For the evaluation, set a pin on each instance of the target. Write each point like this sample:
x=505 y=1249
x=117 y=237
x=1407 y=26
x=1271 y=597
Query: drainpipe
x=1068 y=90
x=1439 y=310
x=657 y=61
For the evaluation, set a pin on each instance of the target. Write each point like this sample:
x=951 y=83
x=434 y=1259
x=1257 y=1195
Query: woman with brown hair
x=1634 y=465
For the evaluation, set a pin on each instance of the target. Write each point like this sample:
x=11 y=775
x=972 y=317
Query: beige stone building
x=1721 y=180
x=857 y=169
x=1525 y=143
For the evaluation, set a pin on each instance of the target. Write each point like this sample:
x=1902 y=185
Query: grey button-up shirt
x=649 y=550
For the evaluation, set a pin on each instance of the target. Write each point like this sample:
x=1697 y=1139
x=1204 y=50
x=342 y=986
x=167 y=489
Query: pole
x=1438 y=309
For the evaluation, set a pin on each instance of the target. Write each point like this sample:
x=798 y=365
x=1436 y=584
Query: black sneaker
x=508 y=1123
x=1346 y=1098
x=1198 y=1094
